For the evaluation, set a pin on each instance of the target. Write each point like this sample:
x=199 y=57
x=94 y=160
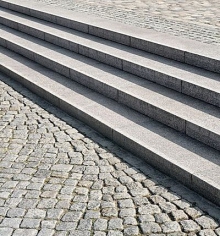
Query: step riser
x=177 y=123
x=176 y=84
x=155 y=48
x=124 y=141
x=201 y=93
x=109 y=91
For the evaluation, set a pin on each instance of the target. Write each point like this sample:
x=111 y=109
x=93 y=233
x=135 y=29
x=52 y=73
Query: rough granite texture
x=59 y=177
x=197 y=20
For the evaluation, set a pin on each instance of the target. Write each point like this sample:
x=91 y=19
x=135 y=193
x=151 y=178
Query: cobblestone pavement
x=59 y=177
x=198 y=20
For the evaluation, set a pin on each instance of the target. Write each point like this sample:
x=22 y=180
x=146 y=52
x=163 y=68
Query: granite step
x=156 y=95
x=187 y=115
x=183 y=78
x=184 y=50
x=191 y=162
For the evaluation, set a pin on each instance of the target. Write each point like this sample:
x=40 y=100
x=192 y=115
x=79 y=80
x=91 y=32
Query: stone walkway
x=198 y=20
x=59 y=177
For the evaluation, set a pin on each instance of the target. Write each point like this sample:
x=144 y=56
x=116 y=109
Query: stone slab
x=166 y=106
x=185 y=79
x=156 y=143
x=184 y=50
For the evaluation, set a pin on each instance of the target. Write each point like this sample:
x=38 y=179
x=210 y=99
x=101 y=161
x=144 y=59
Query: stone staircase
x=153 y=94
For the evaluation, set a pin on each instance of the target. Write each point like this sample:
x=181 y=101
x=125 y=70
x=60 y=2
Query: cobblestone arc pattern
x=59 y=177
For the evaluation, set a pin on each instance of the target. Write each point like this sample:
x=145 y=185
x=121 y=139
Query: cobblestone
x=150 y=227
x=189 y=226
x=132 y=230
x=130 y=221
x=170 y=227
x=22 y=232
x=15 y=212
x=76 y=185
x=161 y=218
x=115 y=223
x=197 y=20
x=85 y=224
x=11 y=222
x=46 y=232
x=6 y=231
x=206 y=222
x=30 y=223
x=207 y=232
x=179 y=215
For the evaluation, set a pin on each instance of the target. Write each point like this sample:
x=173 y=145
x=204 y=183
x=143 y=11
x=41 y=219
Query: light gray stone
x=6 y=231
x=127 y=212
x=207 y=232
x=167 y=207
x=170 y=227
x=66 y=226
x=93 y=205
x=36 y=213
x=193 y=212
x=149 y=209
x=22 y=232
x=130 y=221
x=127 y=203
x=85 y=224
x=80 y=233
x=11 y=222
x=109 y=212
x=189 y=226
x=99 y=233
x=150 y=227
x=54 y=214
x=217 y=231
x=72 y=216
x=48 y=232
x=49 y=224
x=47 y=203
x=115 y=223
x=114 y=233
x=78 y=206
x=146 y=218
x=179 y=215
x=100 y=224
x=16 y=212
x=62 y=167
x=131 y=230
x=206 y=222
x=30 y=223
x=91 y=214
x=162 y=217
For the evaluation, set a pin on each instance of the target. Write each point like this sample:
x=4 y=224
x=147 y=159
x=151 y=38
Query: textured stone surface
x=197 y=20
x=190 y=226
x=206 y=222
x=150 y=227
x=170 y=227
x=62 y=178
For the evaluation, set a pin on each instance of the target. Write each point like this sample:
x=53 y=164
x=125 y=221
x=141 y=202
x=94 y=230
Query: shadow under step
x=192 y=163
x=187 y=115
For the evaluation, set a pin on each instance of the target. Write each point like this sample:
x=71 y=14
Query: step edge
x=184 y=50
x=195 y=131
x=202 y=93
x=136 y=148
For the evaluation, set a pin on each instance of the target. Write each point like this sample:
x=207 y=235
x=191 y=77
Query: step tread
x=182 y=106
x=185 y=50
x=191 y=156
x=180 y=71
